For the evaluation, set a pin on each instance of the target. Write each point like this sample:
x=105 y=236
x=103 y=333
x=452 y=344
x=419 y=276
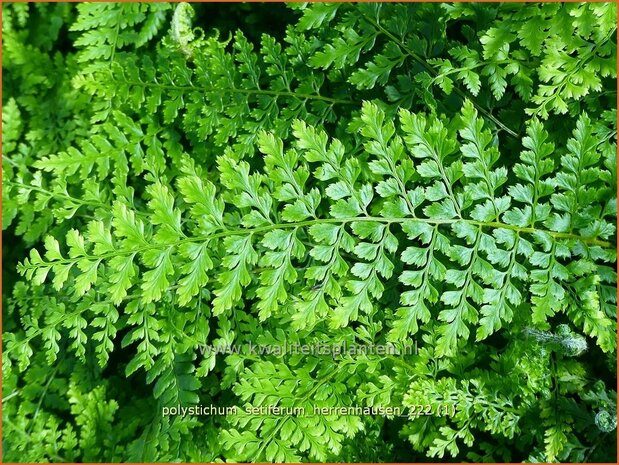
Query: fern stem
x=472 y=67
x=114 y=43
x=55 y=194
x=10 y=161
x=52 y=376
x=274 y=226
x=11 y=395
x=211 y=90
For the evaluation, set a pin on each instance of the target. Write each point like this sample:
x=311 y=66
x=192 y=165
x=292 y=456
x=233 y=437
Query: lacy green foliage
x=430 y=174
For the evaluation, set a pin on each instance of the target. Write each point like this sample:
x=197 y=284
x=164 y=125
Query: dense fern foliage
x=180 y=179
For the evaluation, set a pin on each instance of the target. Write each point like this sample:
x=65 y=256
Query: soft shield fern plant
x=433 y=175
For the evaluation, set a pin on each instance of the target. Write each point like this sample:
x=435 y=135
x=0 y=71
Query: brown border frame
x=291 y=1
